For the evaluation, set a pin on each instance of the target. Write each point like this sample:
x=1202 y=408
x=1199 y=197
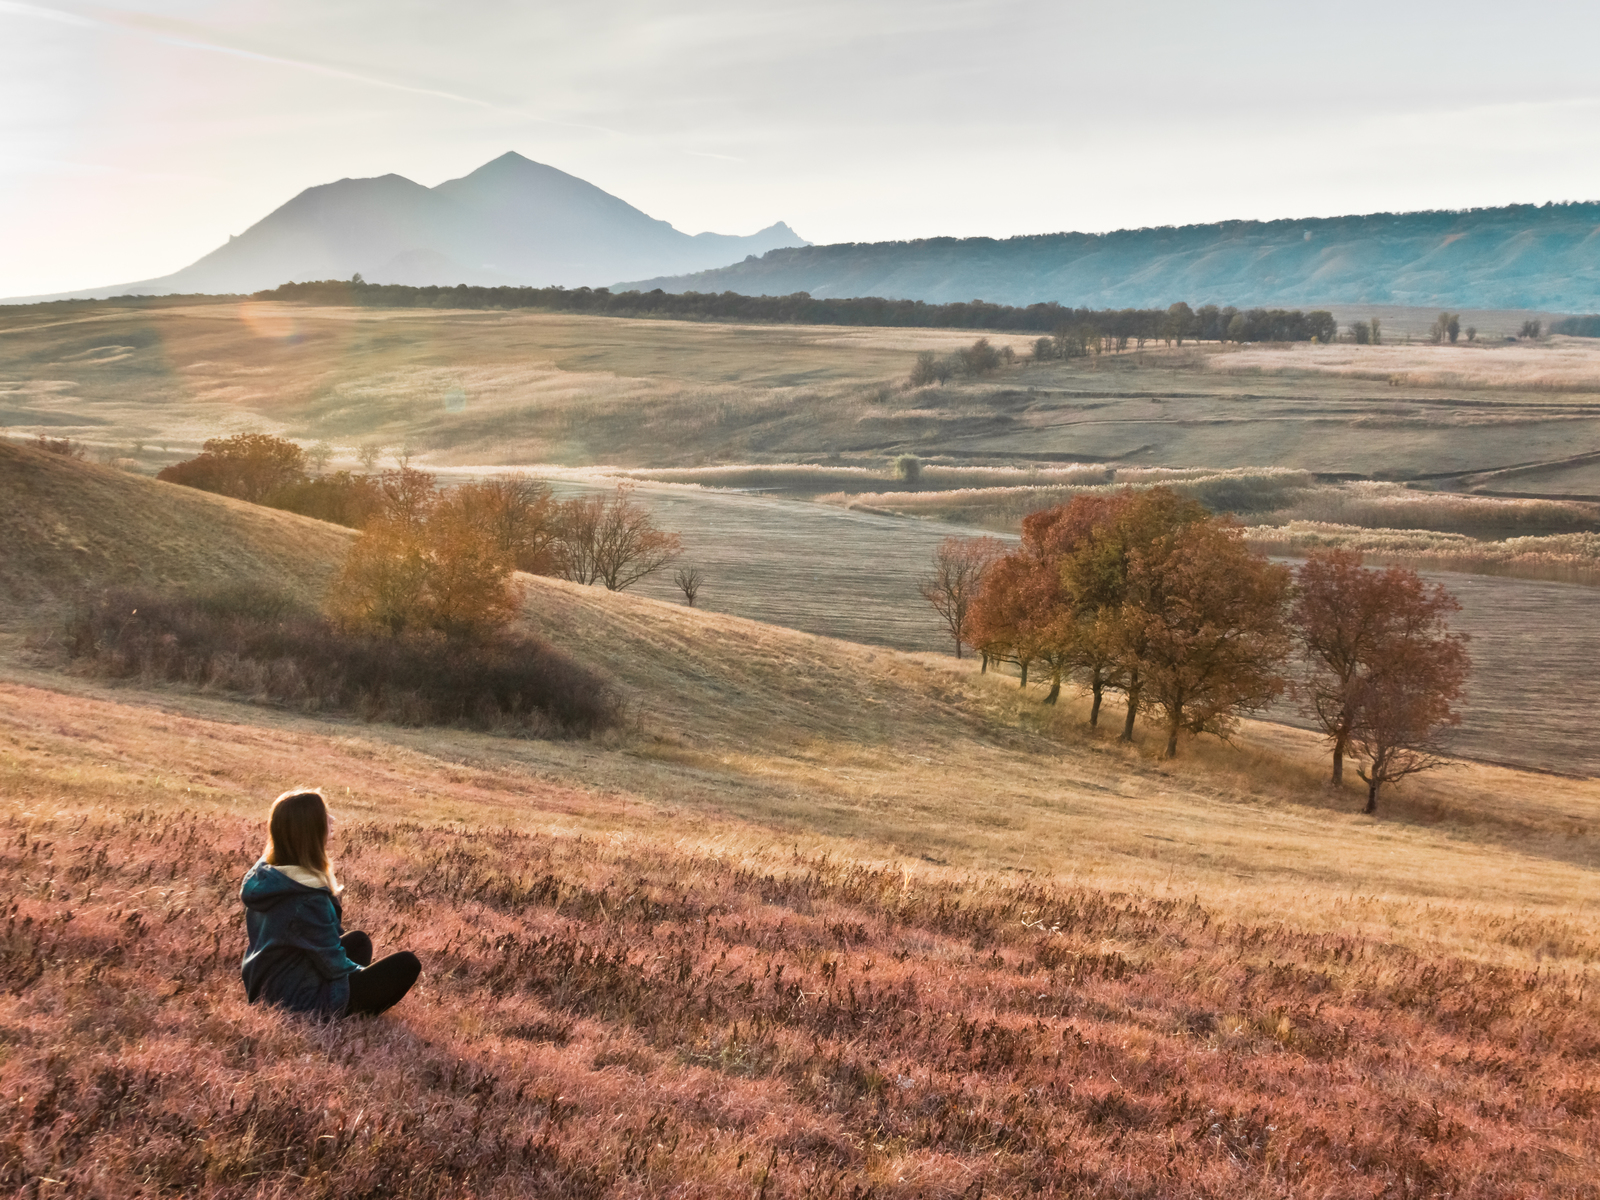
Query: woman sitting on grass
x=298 y=957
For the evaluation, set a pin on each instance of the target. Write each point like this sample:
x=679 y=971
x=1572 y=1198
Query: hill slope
x=1522 y=257
x=719 y=955
x=70 y=527
x=512 y=221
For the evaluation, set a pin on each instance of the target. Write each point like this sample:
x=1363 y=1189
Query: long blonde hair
x=297 y=833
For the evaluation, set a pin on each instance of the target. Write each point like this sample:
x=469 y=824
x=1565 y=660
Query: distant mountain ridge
x=511 y=222
x=1520 y=256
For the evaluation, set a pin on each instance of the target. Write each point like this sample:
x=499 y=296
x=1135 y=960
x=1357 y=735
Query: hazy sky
x=136 y=136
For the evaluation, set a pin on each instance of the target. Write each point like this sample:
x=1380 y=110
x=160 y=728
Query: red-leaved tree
x=1382 y=668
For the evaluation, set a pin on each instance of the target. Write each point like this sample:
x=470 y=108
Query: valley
x=830 y=909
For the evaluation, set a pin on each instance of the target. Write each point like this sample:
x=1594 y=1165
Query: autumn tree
x=1076 y=632
x=1401 y=708
x=959 y=566
x=427 y=563
x=1353 y=624
x=1207 y=616
x=407 y=496
x=1098 y=574
x=248 y=466
x=443 y=576
x=1014 y=618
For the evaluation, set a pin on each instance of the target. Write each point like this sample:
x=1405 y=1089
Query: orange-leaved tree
x=959 y=565
x=1098 y=575
x=249 y=466
x=1015 y=618
x=1207 y=615
x=1027 y=610
x=1377 y=639
x=426 y=565
x=518 y=514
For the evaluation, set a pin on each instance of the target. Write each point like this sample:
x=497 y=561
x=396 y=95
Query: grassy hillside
x=1521 y=256
x=71 y=527
x=826 y=920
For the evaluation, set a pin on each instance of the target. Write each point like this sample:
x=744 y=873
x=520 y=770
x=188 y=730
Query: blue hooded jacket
x=294 y=959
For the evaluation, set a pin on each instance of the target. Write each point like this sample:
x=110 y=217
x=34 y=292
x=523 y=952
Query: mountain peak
x=511 y=221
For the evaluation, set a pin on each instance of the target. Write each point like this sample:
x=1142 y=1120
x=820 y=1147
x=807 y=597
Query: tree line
x=1178 y=322
x=1148 y=595
x=440 y=560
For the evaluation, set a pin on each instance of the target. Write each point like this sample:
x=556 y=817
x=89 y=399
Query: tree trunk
x=1372 y=797
x=1172 y=737
x=984 y=670
x=1055 y=689
x=1024 y=673
x=1338 y=762
x=1133 y=711
x=958 y=649
x=1094 y=709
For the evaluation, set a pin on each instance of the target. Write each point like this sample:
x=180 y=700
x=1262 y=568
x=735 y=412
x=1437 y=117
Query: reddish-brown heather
x=610 y=1016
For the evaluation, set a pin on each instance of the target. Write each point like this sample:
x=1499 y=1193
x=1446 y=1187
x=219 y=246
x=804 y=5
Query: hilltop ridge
x=1520 y=257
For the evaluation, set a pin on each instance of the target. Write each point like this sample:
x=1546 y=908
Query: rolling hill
x=1518 y=257
x=826 y=920
x=70 y=528
x=512 y=221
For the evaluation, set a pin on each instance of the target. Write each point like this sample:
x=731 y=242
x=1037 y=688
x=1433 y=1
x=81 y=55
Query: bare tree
x=688 y=580
x=611 y=540
x=408 y=498
x=959 y=565
x=368 y=456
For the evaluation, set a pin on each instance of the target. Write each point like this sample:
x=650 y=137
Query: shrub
x=908 y=469
x=270 y=647
x=65 y=447
x=248 y=466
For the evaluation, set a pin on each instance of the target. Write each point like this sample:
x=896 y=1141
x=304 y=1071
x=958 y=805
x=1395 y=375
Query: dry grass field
x=825 y=920
x=520 y=387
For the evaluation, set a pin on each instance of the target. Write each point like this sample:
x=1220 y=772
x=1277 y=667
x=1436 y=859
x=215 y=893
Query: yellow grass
x=1558 y=364
x=70 y=528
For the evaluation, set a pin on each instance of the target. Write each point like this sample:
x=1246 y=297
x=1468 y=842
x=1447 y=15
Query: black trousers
x=378 y=985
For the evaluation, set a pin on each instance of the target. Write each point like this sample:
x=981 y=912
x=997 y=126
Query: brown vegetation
x=1382 y=668
x=247 y=466
x=611 y=540
x=727 y=1014
x=1143 y=592
x=270 y=649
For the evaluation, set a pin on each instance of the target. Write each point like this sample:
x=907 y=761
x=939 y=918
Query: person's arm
x=315 y=930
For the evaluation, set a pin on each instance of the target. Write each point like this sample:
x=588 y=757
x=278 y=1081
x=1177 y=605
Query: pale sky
x=136 y=136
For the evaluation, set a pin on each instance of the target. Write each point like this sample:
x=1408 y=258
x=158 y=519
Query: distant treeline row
x=1209 y=323
x=1588 y=326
